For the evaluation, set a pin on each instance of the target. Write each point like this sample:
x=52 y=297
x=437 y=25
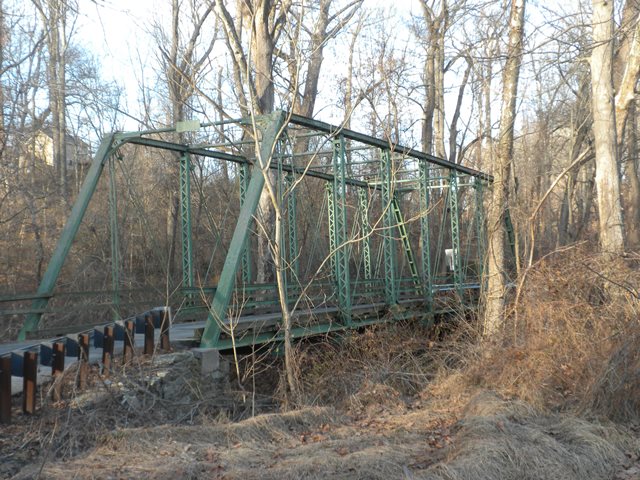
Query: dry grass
x=398 y=401
x=510 y=440
x=572 y=341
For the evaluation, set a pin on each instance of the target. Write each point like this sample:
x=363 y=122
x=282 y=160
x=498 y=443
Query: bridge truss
x=369 y=231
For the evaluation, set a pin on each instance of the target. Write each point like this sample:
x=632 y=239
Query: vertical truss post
x=271 y=126
x=406 y=243
x=294 y=261
x=245 y=176
x=425 y=234
x=282 y=248
x=480 y=246
x=185 y=224
x=332 y=230
x=390 y=260
x=341 y=263
x=363 y=206
x=113 y=230
x=455 y=231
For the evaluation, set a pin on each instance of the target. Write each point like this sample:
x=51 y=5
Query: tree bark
x=495 y=295
x=633 y=205
x=604 y=130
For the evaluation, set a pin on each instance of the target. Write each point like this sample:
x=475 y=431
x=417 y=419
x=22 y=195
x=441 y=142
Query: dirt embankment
x=555 y=396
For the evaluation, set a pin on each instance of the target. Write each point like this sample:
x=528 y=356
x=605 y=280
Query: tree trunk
x=604 y=130
x=495 y=296
x=633 y=203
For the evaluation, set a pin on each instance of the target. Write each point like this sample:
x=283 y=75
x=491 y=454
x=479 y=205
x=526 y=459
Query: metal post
x=363 y=206
x=390 y=260
x=455 y=231
x=282 y=250
x=425 y=245
x=68 y=234
x=406 y=243
x=57 y=368
x=113 y=231
x=342 y=249
x=245 y=176
x=29 y=382
x=480 y=230
x=83 y=360
x=107 y=350
x=5 y=389
x=294 y=262
x=185 y=224
x=218 y=309
x=332 y=230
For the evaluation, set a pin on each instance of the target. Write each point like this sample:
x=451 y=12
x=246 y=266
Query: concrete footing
x=212 y=364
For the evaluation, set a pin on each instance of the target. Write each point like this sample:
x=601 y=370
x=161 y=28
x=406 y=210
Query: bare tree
x=495 y=295
x=54 y=14
x=604 y=129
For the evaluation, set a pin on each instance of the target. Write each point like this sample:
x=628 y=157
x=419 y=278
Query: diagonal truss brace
x=218 y=310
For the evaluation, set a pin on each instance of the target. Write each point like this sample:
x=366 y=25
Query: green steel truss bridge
x=369 y=231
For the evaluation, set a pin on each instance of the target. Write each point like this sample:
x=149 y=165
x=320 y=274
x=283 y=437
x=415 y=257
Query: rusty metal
x=5 y=389
x=107 y=350
x=30 y=382
x=129 y=340
x=83 y=358
x=149 y=334
x=57 y=367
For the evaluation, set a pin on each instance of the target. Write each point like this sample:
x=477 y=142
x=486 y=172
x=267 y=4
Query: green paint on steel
x=455 y=231
x=281 y=188
x=389 y=245
x=185 y=222
x=68 y=234
x=113 y=232
x=425 y=235
x=271 y=126
x=406 y=243
x=244 y=176
x=342 y=249
x=292 y=229
x=480 y=230
x=365 y=226
x=332 y=231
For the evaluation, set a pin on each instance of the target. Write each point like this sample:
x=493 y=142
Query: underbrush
x=571 y=342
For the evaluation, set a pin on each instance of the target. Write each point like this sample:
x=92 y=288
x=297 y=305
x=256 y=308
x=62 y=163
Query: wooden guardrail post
x=107 y=350
x=83 y=358
x=57 y=367
x=165 y=324
x=29 y=382
x=5 y=389
x=149 y=334
x=129 y=340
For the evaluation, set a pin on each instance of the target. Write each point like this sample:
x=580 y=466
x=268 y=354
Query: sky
x=119 y=34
